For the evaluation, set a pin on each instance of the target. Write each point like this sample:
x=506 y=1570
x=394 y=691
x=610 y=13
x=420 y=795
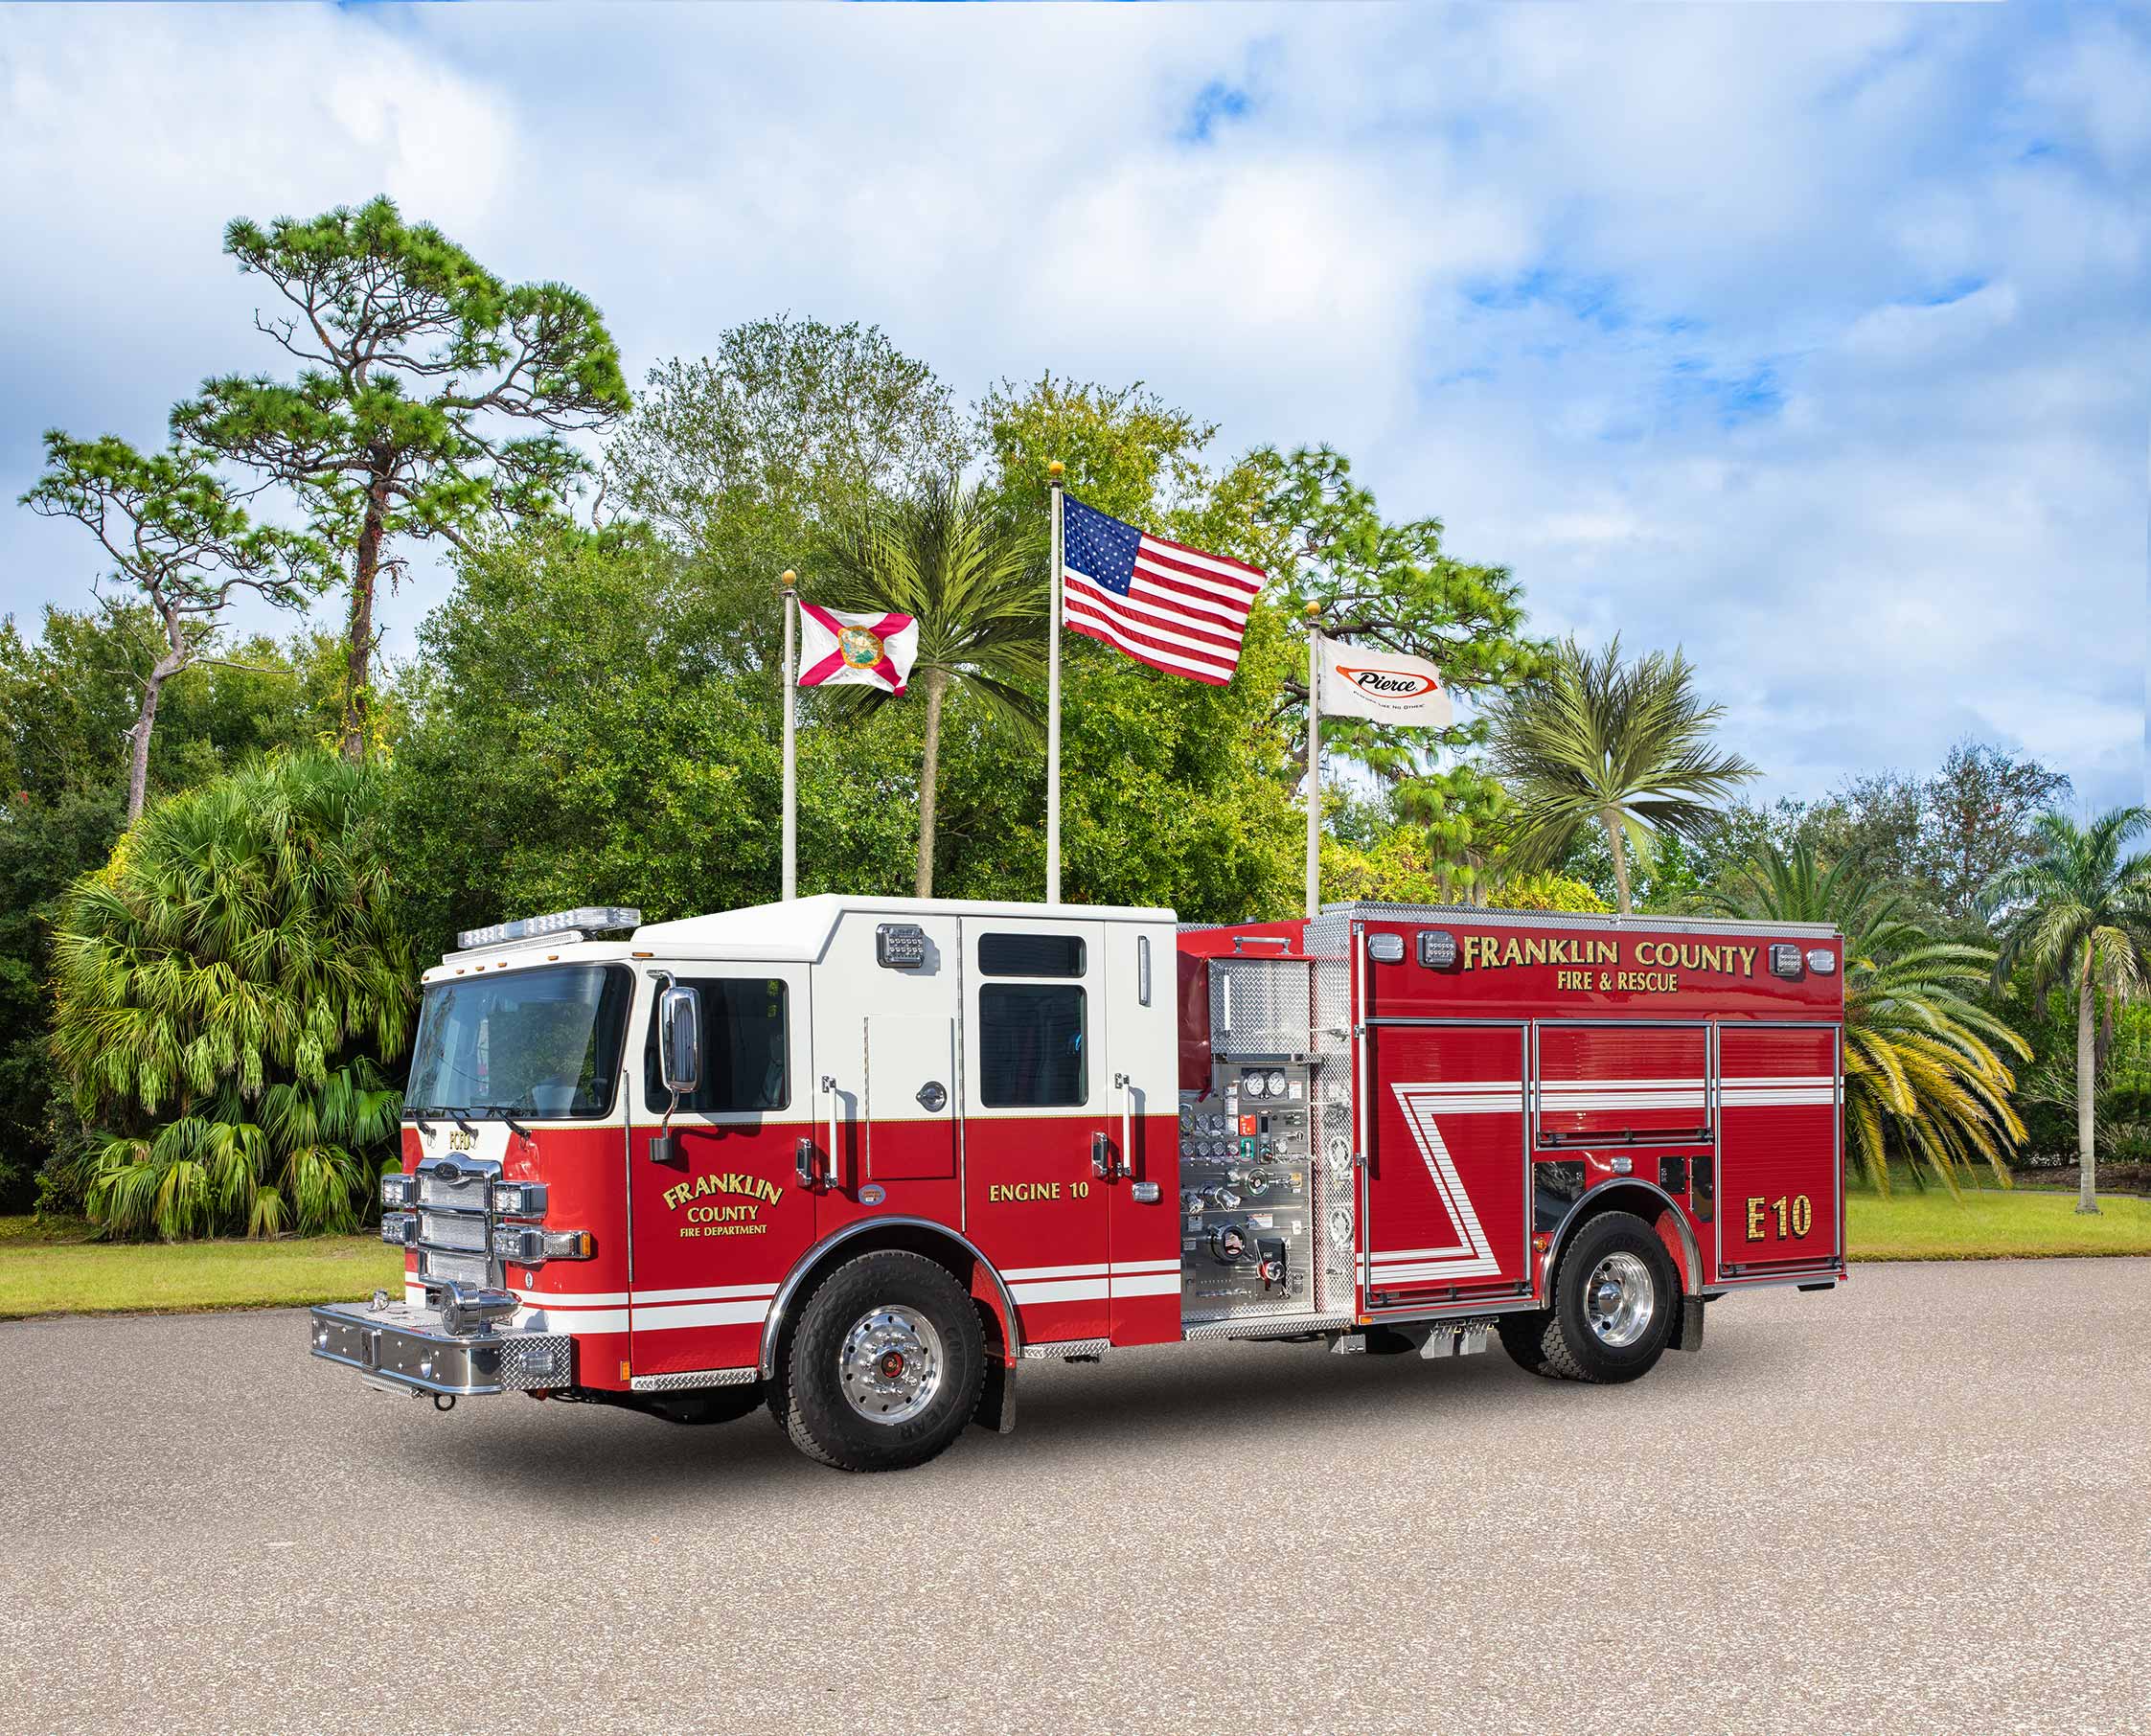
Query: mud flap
x=996 y=1397
x=1687 y=1330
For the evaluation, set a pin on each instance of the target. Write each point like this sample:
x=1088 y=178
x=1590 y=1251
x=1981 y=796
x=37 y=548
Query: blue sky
x=1812 y=340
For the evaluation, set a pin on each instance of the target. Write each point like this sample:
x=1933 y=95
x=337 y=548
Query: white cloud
x=1813 y=341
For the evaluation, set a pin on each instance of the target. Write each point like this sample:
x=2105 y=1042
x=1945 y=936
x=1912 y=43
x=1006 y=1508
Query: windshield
x=543 y=1043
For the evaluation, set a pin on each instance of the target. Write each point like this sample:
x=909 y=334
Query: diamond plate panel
x=1259 y=1006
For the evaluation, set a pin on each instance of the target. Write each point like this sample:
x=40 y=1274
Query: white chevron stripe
x=1473 y=1256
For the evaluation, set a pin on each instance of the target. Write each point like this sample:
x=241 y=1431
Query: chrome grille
x=459 y=1269
x=449 y=1229
x=465 y=1191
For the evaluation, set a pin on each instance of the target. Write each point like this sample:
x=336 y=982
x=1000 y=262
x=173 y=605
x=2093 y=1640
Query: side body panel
x=1447 y=1202
x=1780 y=1209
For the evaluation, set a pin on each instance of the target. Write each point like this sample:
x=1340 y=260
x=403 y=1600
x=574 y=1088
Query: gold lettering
x=1534 y=951
x=1746 y=961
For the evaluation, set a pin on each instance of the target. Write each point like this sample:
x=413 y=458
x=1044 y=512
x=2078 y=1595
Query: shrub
x=231 y=991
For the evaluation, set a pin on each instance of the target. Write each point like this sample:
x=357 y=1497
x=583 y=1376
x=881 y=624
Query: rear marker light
x=1386 y=949
x=1822 y=961
x=1784 y=959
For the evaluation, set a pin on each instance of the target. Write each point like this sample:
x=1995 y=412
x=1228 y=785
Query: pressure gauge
x=1187 y=1148
x=1255 y=1085
x=1187 y=1121
x=1274 y=1082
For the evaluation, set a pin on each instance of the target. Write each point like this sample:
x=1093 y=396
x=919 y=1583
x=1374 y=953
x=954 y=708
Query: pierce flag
x=839 y=648
x=1385 y=686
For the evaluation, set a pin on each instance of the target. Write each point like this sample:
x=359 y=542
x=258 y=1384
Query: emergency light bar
x=588 y=918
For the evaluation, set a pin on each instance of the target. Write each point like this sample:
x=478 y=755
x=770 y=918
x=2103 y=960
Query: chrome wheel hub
x=1619 y=1299
x=890 y=1365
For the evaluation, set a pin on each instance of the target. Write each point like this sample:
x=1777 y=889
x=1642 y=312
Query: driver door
x=716 y=1226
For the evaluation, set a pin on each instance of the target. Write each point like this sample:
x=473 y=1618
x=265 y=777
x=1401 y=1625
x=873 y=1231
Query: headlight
x=400 y=1230
x=519 y=1199
x=395 y=1191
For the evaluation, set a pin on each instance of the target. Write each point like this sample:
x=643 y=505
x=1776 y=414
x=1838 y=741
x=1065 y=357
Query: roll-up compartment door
x=1622 y=1084
x=1778 y=1167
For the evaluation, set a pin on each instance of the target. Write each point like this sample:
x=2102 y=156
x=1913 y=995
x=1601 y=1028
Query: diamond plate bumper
x=407 y=1347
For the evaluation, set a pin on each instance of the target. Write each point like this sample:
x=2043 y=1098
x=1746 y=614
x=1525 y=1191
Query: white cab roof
x=801 y=928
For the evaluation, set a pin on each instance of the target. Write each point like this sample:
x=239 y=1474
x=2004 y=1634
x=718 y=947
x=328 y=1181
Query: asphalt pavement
x=1921 y=1503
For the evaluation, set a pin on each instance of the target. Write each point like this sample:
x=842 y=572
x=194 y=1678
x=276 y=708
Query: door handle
x=835 y=1176
x=803 y=1160
x=1127 y=1163
x=1101 y=1163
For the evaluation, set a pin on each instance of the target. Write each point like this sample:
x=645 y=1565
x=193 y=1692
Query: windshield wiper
x=507 y=1113
x=462 y=1121
x=418 y=1114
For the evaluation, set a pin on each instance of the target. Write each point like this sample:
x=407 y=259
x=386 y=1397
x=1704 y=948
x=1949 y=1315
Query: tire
x=1564 y=1343
x=885 y=1367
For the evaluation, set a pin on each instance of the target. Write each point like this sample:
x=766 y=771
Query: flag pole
x=1053 y=704
x=791 y=583
x=1314 y=762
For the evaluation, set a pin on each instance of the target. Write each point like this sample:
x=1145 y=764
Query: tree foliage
x=229 y=991
x=977 y=589
x=180 y=543
x=572 y=740
x=2078 y=916
x=1923 y=1077
x=1624 y=747
x=416 y=366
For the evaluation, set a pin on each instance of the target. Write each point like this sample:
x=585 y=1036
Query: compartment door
x=1623 y=1084
x=912 y=1097
x=1447 y=1196
x=1779 y=1210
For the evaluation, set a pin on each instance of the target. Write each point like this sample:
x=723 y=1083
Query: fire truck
x=860 y=1160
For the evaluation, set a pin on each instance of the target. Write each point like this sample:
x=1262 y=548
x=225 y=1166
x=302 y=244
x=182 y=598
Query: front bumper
x=408 y=1347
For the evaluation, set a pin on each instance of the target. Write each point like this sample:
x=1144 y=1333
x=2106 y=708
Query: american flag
x=1163 y=603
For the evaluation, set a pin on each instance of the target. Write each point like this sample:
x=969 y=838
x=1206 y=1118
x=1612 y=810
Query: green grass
x=1989 y=1224
x=47 y=1270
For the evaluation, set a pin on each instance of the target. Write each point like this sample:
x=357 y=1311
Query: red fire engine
x=859 y=1159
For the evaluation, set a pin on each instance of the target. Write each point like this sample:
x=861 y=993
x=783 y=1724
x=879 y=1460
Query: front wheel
x=1614 y=1298
x=886 y=1365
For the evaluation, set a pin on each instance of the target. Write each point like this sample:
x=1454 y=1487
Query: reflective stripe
x=1059 y=1290
x=1148 y=1284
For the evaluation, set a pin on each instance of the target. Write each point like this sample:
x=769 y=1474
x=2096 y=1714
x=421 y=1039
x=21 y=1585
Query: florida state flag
x=872 y=650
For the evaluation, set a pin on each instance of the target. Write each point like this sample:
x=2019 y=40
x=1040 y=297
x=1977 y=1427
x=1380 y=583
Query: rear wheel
x=886 y=1369
x=1615 y=1295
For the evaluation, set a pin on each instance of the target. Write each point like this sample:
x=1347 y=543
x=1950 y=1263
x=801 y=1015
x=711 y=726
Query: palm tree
x=1922 y=1074
x=227 y=991
x=1625 y=747
x=979 y=591
x=2080 y=914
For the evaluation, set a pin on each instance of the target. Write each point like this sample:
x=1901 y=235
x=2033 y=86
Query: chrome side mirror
x=680 y=1041
x=679 y=1063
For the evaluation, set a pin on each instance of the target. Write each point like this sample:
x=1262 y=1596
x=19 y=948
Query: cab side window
x=746 y=1048
x=1033 y=1048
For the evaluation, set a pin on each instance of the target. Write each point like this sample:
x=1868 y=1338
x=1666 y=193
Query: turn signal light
x=400 y=1230
x=524 y=1245
x=397 y=1190
x=1541 y=1241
